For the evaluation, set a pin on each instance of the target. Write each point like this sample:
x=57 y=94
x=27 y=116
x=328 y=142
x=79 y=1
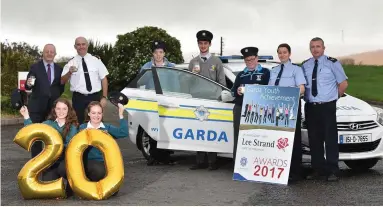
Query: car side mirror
x=226 y=96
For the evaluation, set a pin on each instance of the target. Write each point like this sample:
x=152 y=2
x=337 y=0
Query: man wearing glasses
x=252 y=74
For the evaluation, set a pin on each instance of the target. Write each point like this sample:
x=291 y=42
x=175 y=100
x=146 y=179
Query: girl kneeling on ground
x=62 y=118
x=93 y=158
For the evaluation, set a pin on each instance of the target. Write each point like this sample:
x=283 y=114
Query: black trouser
x=265 y=118
x=287 y=120
x=296 y=159
x=52 y=172
x=37 y=117
x=80 y=103
x=276 y=120
x=247 y=119
x=94 y=170
x=160 y=155
x=322 y=128
x=211 y=157
x=236 y=122
x=256 y=117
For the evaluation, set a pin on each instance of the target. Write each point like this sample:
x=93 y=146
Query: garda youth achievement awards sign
x=266 y=135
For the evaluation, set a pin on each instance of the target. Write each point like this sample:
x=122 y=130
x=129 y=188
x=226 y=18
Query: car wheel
x=143 y=143
x=361 y=165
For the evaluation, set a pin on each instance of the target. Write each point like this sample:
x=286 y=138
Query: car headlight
x=379 y=117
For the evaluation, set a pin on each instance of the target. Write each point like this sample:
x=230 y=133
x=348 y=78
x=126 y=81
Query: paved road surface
x=177 y=185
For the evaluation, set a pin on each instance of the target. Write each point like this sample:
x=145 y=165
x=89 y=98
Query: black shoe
x=213 y=167
x=316 y=176
x=68 y=191
x=169 y=162
x=151 y=162
x=295 y=178
x=198 y=166
x=116 y=193
x=332 y=178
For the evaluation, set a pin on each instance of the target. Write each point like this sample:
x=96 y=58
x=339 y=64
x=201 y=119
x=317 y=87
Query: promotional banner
x=266 y=134
x=22 y=78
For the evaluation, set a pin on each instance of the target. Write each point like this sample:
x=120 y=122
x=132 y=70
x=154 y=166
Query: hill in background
x=365 y=58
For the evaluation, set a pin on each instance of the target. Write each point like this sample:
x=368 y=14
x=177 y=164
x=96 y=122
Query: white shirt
x=207 y=56
x=89 y=126
x=58 y=123
x=97 y=72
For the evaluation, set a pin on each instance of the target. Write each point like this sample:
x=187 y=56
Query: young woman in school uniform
x=93 y=159
x=62 y=118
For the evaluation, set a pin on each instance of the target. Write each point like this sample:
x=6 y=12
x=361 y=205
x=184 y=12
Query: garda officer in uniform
x=87 y=75
x=212 y=68
x=252 y=74
x=288 y=74
x=326 y=82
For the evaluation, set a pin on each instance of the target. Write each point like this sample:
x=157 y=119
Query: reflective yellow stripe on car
x=183 y=112
x=142 y=105
x=191 y=112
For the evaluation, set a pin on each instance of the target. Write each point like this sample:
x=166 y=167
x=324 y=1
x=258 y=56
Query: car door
x=191 y=115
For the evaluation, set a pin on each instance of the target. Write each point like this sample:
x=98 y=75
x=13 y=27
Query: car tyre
x=143 y=143
x=361 y=165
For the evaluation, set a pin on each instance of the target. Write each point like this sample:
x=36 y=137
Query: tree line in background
x=123 y=59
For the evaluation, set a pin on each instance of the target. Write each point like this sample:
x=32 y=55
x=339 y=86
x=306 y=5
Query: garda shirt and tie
x=259 y=76
x=291 y=75
x=86 y=82
x=323 y=76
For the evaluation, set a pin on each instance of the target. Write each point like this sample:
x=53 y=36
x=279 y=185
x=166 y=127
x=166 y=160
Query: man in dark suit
x=46 y=88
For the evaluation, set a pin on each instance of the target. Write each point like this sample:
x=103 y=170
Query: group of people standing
x=88 y=83
x=322 y=81
x=263 y=114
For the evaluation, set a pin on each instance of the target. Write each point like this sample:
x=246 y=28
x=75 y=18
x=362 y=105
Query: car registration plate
x=354 y=138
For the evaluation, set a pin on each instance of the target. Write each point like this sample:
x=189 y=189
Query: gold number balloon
x=30 y=186
x=77 y=179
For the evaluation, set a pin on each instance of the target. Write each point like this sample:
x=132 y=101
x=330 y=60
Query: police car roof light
x=238 y=57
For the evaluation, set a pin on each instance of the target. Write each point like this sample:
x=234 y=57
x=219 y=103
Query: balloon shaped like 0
x=30 y=186
x=77 y=179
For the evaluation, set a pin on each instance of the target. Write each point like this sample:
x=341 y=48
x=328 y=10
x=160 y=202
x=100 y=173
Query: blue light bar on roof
x=266 y=57
x=231 y=57
x=238 y=57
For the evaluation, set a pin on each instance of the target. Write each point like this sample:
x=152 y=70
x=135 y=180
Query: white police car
x=195 y=114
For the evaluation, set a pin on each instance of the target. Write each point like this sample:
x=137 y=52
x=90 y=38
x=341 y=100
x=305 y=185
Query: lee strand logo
x=282 y=143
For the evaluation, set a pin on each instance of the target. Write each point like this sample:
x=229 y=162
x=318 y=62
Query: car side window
x=179 y=81
x=146 y=81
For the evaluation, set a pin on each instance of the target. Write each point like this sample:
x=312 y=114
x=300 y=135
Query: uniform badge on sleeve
x=213 y=68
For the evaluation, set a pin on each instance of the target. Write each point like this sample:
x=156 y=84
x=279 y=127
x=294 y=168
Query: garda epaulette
x=98 y=57
x=275 y=66
x=71 y=58
x=332 y=59
x=295 y=64
x=305 y=61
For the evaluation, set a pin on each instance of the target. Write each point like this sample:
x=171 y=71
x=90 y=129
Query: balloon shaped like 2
x=30 y=186
x=77 y=179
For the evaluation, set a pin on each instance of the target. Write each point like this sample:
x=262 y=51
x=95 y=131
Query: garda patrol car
x=195 y=113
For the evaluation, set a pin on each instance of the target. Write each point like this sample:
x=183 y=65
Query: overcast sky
x=261 y=23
